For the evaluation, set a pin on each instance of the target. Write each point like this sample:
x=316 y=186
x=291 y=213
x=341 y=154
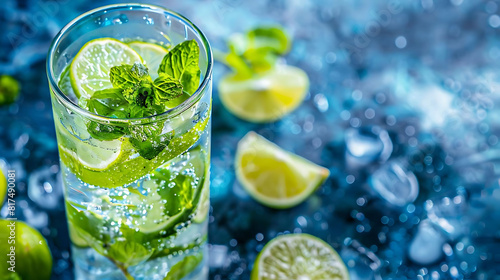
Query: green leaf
x=112 y=93
x=9 y=89
x=254 y=52
x=166 y=88
x=236 y=63
x=184 y=267
x=260 y=40
x=128 y=76
x=105 y=132
x=181 y=63
x=142 y=94
x=148 y=139
x=179 y=193
x=268 y=38
x=128 y=252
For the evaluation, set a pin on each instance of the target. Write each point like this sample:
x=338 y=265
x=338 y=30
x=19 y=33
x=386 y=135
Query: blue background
x=424 y=73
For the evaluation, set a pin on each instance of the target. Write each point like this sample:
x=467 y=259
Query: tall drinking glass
x=130 y=216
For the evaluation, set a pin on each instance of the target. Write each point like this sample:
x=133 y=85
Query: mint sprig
x=136 y=95
x=256 y=51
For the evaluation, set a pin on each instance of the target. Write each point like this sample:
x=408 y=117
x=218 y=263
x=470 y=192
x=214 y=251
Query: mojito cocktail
x=131 y=95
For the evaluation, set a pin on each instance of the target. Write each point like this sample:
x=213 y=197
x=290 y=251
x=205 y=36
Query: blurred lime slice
x=152 y=55
x=273 y=176
x=89 y=70
x=266 y=97
x=298 y=256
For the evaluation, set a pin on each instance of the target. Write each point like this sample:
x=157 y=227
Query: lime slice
x=173 y=194
x=267 y=97
x=128 y=167
x=89 y=70
x=92 y=154
x=273 y=176
x=152 y=55
x=301 y=257
x=204 y=203
x=65 y=83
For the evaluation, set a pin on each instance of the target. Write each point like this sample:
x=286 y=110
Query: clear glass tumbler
x=132 y=217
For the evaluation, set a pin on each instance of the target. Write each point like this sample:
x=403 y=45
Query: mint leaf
x=128 y=76
x=128 y=252
x=148 y=140
x=181 y=63
x=272 y=39
x=236 y=63
x=111 y=93
x=179 y=192
x=184 y=267
x=256 y=51
x=105 y=132
x=142 y=94
x=166 y=88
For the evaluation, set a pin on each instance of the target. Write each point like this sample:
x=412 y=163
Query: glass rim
x=170 y=113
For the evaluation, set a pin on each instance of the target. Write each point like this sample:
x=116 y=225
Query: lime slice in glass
x=273 y=176
x=298 y=256
x=266 y=97
x=152 y=55
x=89 y=153
x=89 y=70
x=204 y=203
x=173 y=194
x=65 y=83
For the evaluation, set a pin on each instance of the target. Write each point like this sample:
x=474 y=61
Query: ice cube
x=427 y=245
x=448 y=212
x=394 y=183
x=367 y=144
x=45 y=187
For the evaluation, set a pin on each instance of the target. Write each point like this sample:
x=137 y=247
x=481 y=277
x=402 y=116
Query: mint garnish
x=255 y=52
x=166 y=88
x=136 y=95
x=181 y=63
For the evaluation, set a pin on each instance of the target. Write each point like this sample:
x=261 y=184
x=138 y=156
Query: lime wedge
x=89 y=70
x=301 y=257
x=273 y=176
x=152 y=55
x=266 y=97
